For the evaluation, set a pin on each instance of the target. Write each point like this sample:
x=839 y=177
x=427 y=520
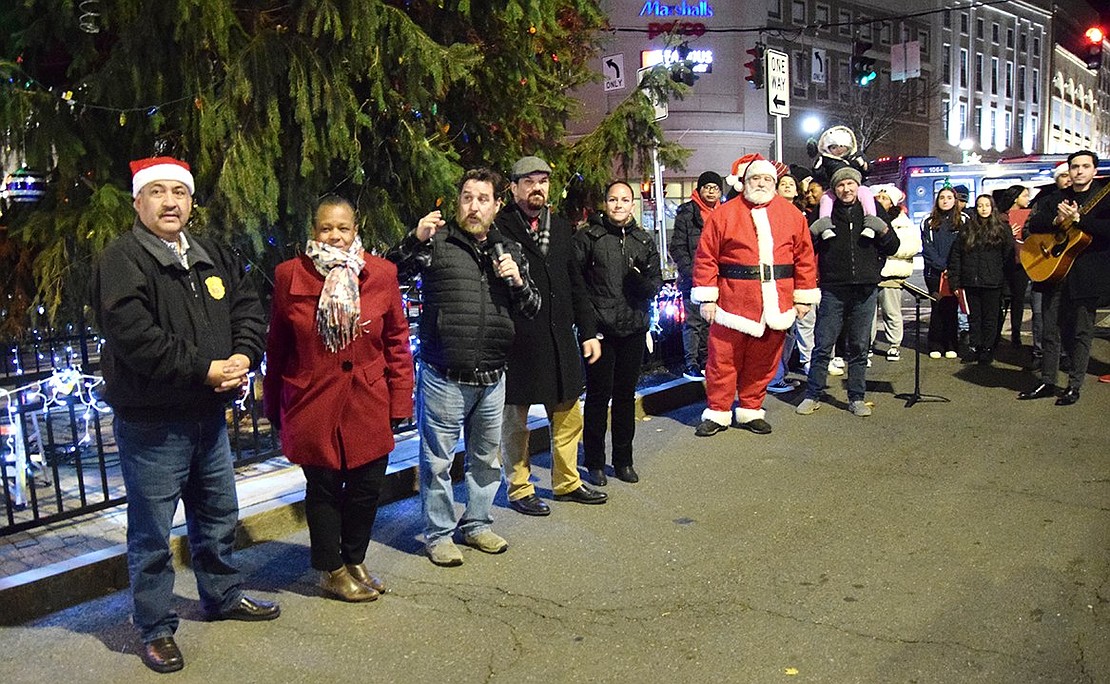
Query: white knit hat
x=1059 y=170
x=896 y=196
x=151 y=169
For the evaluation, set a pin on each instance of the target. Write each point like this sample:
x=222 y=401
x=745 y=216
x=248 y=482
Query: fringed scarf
x=337 y=312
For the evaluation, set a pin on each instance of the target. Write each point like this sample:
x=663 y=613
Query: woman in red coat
x=338 y=377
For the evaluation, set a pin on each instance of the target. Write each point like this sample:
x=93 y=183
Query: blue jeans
x=162 y=463
x=787 y=352
x=850 y=307
x=695 y=334
x=445 y=409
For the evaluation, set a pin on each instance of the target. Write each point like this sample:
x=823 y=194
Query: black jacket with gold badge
x=164 y=324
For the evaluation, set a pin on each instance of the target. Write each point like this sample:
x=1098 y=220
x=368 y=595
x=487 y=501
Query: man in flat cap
x=183 y=326
x=562 y=334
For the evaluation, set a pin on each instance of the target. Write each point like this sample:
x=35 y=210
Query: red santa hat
x=151 y=169
x=740 y=169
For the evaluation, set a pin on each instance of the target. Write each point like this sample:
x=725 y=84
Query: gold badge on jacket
x=215 y=287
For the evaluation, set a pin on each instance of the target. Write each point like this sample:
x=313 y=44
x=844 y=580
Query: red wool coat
x=742 y=234
x=318 y=397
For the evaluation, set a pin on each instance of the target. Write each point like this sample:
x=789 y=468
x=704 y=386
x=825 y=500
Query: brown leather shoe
x=363 y=576
x=163 y=655
x=342 y=585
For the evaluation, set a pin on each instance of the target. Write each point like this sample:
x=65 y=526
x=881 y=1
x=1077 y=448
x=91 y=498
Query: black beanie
x=1009 y=196
x=710 y=177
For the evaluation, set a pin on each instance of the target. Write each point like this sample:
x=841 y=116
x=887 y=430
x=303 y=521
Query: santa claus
x=754 y=274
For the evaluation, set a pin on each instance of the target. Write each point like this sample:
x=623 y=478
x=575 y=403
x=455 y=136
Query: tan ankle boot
x=363 y=576
x=341 y=585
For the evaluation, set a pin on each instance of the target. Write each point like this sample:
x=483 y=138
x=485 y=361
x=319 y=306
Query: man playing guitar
x=1069 y=304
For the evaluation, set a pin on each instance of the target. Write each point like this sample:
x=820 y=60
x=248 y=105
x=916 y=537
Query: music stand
x=916 y=396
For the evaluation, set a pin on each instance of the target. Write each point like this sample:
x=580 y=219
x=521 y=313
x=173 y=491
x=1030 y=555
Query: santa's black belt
x=761 y=272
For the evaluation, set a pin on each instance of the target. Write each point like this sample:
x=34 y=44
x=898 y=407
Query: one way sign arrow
x=778 y=102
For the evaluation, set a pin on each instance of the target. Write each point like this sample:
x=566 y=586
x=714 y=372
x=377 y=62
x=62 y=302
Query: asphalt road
x=966 y=541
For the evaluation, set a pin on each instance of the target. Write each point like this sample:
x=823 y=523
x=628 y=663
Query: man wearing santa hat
x=754 y=274
x=183 y=326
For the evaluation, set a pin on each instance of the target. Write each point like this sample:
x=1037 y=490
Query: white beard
x=759 y=196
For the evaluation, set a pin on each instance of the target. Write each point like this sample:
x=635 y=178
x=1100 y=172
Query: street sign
x=819 y=67
x=661 y=109
x=612 y=66
x=777 y=79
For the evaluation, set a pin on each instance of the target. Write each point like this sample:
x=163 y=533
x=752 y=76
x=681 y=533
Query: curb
x=35 y=593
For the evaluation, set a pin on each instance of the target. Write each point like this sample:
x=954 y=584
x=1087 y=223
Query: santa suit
x=740 y=241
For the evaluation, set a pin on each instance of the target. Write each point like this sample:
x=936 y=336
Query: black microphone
x=496 y=247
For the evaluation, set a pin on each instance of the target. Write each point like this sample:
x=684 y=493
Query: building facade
x=988 y=81
x=994 y=66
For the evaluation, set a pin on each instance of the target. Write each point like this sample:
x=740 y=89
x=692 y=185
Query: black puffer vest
x=465 y=323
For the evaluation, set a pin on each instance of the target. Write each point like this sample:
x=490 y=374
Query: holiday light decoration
x=63 y=389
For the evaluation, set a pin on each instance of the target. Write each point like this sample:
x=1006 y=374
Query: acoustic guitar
x=1047 y=257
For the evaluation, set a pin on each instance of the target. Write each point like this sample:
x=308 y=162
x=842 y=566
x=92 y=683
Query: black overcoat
x=545 y=361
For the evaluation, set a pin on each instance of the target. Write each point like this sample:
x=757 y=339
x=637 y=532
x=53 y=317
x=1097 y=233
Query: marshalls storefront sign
x=680 y=9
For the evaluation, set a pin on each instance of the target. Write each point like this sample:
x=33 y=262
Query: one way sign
x=777 y=79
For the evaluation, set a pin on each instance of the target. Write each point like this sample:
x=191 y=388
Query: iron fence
x=58 y=454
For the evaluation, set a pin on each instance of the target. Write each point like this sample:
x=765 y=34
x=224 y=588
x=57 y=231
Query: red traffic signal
x=755 y=66
x=1095 y=36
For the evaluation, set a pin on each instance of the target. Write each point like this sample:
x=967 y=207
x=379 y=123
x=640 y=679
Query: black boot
x=986 y=356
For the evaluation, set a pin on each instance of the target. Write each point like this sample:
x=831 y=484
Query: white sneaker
x=950 y=354
x=893 y=354
x=859 y=408
x=807 y=407
x=837 y=361
x=934 y=355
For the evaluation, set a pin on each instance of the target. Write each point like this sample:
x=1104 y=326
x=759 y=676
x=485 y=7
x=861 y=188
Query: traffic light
x=755 y=66
x=863 y=67
x=1094 y=47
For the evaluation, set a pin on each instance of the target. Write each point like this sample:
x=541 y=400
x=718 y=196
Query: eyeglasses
x=710 y=187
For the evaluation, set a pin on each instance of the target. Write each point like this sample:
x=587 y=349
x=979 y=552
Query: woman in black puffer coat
x=979 y=270
x=620 y=264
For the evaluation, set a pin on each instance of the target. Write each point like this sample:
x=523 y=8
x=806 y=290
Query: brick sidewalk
x=39 y=547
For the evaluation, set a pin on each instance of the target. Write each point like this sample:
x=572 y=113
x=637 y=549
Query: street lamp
x=811 y=125
x=966 y=146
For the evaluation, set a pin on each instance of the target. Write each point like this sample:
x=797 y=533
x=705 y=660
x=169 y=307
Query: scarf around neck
x=337 y=312
x=702 y=206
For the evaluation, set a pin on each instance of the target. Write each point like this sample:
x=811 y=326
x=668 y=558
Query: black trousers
x=984 y=316
x=613 y=376
x=340 y=507
x=1069 y=325
x=944 y=333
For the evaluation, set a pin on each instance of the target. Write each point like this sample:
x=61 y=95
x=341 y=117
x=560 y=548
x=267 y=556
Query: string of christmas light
x=24 y=82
